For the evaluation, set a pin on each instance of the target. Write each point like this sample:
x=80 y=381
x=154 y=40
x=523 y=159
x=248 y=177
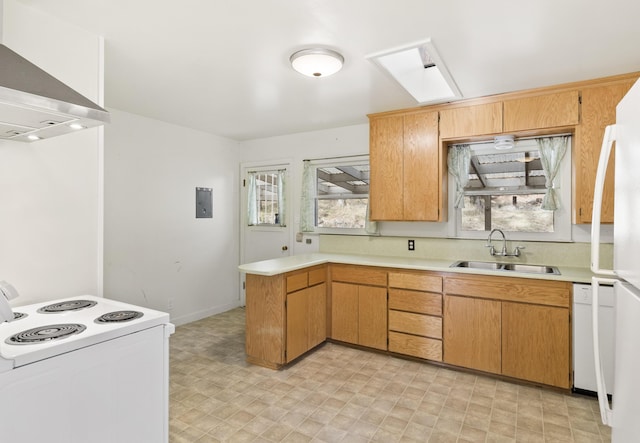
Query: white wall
x=336 y=142
x=344 y=141
x=50 y=231
x=157 y=254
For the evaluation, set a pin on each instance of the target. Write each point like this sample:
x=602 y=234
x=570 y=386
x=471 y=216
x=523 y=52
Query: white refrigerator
x=623 y=415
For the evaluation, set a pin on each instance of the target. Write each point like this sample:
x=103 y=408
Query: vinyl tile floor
x=341 y=394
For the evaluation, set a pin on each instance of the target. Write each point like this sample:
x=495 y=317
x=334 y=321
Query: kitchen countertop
x=295 y=262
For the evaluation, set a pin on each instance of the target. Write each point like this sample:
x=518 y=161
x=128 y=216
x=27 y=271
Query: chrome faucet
x=503 y=252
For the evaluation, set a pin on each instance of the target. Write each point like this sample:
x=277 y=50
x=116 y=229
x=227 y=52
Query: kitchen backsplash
x=556 y=254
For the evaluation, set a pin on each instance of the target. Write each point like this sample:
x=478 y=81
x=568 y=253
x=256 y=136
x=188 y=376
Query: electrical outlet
x=412 y=245
x=170 y=304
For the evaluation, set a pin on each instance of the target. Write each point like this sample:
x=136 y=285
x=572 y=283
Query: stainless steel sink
x=514 y=267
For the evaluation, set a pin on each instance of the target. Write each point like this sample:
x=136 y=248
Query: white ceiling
x=222 y=66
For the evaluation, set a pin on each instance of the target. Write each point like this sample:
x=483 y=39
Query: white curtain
x=282 y=202
x=370 y=226
x=458 y=161
x=307 y=204
x=252 y=201
x=552 y=150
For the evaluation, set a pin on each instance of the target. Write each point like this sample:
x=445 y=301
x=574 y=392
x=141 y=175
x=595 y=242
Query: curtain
x=458 y=161
x=307 y=206
x=282 y=202
x=252 y=201
x=370 y=226
x=552 y=150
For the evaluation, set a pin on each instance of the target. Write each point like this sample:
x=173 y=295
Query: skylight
x=420 y=70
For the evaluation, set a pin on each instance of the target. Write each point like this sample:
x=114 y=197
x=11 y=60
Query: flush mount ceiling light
x=504 y=142
x=316 y=62
x=420 y=70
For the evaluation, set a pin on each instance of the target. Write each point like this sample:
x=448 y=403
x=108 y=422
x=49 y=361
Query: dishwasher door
x=584 y=373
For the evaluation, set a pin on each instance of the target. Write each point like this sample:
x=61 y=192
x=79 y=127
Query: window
x=266 y=198
x=340 y=193
x=506 y=189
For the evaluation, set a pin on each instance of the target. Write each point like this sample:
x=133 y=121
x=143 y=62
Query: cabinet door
x=297 y=324
x=598 y=110
x=472 y=333
x=317 y=314
x=344 y=312
x=535 y=343
x=372 y=321
x=470 y=121
x=386 y=141
x=542 y=111
x=421 y=179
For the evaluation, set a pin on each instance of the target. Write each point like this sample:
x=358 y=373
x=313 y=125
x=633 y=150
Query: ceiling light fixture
x=504 y=142
x=316 y=62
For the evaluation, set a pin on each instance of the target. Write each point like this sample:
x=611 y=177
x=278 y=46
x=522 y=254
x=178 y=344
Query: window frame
x=353 y=160
x=561 y=217
x=266 y=168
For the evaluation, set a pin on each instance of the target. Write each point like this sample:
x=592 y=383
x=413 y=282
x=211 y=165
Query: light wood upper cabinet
x=542 y=111
x=405 y=167
x=471 y=121
x=386 y=160
x=598 y=111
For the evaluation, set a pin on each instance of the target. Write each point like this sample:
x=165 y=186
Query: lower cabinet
x=359 y=314
x=415 y=314
x=306 y=320
x=286 y=315
x=472 y=333
x=535 y=343
x=510 y=326
x=359 y=305
x=516 y=327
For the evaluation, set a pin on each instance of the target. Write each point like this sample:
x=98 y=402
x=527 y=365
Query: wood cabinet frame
x=535 y=112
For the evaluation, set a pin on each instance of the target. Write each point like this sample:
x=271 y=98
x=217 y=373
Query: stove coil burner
x=69 y=305
x=118 y=316
x=19 y=315
x=45 y=333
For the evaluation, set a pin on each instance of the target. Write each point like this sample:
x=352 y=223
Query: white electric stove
x=84 y=369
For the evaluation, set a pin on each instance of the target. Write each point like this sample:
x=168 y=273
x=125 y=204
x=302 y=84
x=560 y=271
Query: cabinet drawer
x=359 y=274
x=414 y=301
x=525 y=290
x=296 y=282
x=317 y=276
x=417 y=281
x=417 y=324
x=421 y=347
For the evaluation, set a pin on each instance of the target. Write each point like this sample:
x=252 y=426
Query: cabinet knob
x=285 y=248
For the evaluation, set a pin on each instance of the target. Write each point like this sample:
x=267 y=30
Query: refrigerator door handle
x=603 y=161
x=603 y=401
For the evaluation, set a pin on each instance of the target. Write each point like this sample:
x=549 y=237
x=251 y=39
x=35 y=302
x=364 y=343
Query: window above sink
x=505 y=189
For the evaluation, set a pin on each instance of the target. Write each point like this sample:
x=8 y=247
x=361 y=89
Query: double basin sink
x=513 y=267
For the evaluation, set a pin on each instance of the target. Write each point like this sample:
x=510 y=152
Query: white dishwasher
x=584 y=374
